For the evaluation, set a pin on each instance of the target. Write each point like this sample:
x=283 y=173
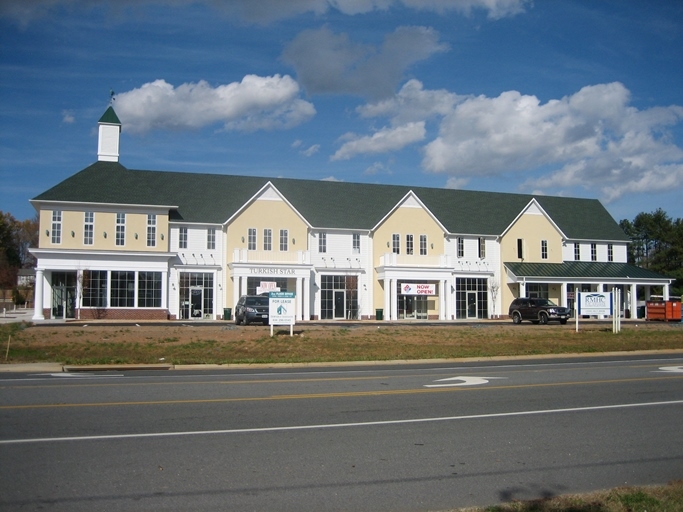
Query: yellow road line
x=349 y=394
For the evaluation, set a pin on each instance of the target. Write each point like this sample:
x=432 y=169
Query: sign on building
x=418 y=289
x=267 y=287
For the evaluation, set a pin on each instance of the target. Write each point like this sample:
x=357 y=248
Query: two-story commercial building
x=137 y=244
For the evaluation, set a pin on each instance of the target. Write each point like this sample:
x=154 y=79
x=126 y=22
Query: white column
x=236 y=284
x=38 y=296
x=666 y=291
x=306 y=287
x=299 y=300
x=522 y=289
x=634 y=301
x=164 y=289
x=394 y=300
x=387 y=298
x=563 y=294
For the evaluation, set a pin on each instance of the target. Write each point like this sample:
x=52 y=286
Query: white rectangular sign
x=418 y=289
x=282 y=308
x=595 y=303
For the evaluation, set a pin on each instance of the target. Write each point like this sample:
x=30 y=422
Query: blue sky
x=572 y=98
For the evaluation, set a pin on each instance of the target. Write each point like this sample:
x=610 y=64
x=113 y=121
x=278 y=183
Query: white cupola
x=108 y=141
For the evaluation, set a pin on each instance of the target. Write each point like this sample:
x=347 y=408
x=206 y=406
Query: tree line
x=16 y=236
x=657 y=245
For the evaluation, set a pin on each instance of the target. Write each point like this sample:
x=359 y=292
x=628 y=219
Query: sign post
x=594 y=303
x=282 y=310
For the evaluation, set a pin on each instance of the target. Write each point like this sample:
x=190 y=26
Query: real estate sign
x=282 y=307
x=594 y=303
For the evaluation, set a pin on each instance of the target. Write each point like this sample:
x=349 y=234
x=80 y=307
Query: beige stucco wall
x=406 y=220
x=261 y=214
x=105 y=222
x=532 y=228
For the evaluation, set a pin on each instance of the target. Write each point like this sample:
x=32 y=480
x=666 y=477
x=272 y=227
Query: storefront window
x=338 y=297
x=196 y=294
x=471 y=298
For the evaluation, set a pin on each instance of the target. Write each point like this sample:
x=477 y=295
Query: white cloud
x=376 y=168
x=592 y=139
x=331 y=178
x=254 y=103
x=266 y=11
x=382 y=141
x=456 y=183
x=311 y=151
x=412 y=103
x=68 y=116
x=326 y=62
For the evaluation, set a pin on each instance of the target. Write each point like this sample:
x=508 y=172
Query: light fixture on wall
x=242 y=239
x=162 y=236
x=293 y=241
x=387 y=244
x=136 y=236
x=105 y=234
x=73 y=234
x=47 y=232
x=432 y=245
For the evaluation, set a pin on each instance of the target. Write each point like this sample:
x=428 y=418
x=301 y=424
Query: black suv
x=252 y=308
x=537 y=310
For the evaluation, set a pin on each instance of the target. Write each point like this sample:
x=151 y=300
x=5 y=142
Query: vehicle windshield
x=545 y=302
x=257 y=301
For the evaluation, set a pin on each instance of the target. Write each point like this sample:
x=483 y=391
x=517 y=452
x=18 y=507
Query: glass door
x=421 y=307
x=471 y=304
x=339 y=304
x=63 y=295
x=196 y=302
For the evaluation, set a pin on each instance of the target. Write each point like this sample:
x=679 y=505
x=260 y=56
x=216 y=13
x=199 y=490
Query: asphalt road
x=385 y=438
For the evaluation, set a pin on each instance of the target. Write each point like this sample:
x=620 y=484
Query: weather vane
x=111 y=96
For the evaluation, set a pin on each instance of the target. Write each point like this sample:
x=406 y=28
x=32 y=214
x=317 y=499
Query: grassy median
x=178 y=343
x=660 y=498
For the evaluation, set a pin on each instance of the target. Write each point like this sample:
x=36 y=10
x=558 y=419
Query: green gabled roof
x=214 y=198
x=109 y=117
x=578 y=270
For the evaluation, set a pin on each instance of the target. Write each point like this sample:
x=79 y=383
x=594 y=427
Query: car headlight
x=552 y=310
x=251 y=310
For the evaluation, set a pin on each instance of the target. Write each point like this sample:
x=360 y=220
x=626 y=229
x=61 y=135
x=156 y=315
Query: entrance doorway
x=196 y=301
x=471 y=304
x=412 y=307
x=63 y=295
x=339 y=304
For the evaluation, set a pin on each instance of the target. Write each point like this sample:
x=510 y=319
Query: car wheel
x=237 y=320
x=563 y=321
x=543 y=318
x=516 y=318
x=245 y=320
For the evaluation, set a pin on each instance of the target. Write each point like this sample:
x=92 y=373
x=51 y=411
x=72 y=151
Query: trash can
x=379 y=314
x=227 y=314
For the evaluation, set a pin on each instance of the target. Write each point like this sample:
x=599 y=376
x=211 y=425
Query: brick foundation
x=123 y=314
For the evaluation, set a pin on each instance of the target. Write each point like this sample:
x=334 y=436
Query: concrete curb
x=114 y=367
x=58 y=368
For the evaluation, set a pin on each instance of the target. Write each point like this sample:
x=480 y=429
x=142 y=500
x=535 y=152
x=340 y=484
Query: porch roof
x=588 y=270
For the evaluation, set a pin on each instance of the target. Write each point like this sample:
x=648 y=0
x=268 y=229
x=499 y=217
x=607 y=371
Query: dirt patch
x=226 y=343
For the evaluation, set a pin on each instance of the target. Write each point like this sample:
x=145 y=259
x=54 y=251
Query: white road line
x=334 y=425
